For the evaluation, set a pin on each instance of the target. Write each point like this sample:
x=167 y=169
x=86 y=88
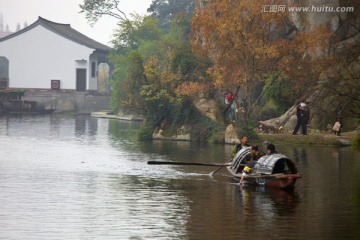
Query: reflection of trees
x=123 y=129
x=229 y=212
x=300 y=155
x=124 y=134
x=144 y=207
x=336 y=154
x=357 y=198
x=282 y=202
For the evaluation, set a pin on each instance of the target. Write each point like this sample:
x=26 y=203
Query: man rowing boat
x=243 y=143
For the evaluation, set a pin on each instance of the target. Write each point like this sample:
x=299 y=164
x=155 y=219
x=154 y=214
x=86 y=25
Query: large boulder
x=319 y=14
x=231 y=136
x=208 y=107
x=183 y=134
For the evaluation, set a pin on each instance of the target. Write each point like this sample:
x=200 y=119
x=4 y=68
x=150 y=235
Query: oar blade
x=185 y=163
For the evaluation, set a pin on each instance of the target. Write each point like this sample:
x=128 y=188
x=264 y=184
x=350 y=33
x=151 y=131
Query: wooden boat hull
x=280 y=180
x=272 y=170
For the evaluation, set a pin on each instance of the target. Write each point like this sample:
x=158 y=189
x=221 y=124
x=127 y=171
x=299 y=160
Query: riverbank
x=319 y=139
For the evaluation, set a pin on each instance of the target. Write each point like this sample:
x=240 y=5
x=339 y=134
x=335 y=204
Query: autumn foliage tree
x=343 y=84
x=95 y=9
x=249 y=46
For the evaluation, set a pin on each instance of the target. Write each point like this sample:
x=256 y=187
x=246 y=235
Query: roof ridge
x=52 y=22
x=64 y=30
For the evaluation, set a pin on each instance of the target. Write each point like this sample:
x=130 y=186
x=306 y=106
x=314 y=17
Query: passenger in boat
x=256 y=154
x=238 y=147
x=271 y=149
x=250 y=164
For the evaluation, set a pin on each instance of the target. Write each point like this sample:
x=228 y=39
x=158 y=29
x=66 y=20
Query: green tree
x=95 y=9
x=167 y=10
x=145 y=77
x=132 y=33
x=152 y=61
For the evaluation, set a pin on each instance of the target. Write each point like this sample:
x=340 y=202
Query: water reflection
x=85 y=125
x=300 y=155
x=281 y=202
x=77 y=177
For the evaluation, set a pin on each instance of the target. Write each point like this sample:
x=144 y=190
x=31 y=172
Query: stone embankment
x=108 y=114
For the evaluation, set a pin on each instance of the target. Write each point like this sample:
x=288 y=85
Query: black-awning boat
x=275 y=170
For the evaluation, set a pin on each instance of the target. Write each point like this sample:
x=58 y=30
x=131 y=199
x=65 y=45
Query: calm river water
x=78 y=177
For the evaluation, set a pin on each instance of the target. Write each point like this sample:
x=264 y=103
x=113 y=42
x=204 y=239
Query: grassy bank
x=321 y=139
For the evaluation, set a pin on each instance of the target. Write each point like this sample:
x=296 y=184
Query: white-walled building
x=49 y=55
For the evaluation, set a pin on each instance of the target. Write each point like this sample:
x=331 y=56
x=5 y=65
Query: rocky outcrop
x=346 y=27
x=231 y=136
x=319 y=14
x=183 y=134
x=208 y=107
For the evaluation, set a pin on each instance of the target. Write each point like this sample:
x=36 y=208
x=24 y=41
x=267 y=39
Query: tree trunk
x=276 y=123
x=314 y=98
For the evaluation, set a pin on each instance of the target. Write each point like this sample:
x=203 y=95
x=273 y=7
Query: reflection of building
x=52 y=62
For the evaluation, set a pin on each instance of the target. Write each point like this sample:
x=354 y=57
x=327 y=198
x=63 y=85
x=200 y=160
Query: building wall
x=68 y=101
x=38 y=56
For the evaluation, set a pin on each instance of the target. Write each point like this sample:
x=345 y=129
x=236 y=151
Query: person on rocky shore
x=337 y=127
x=303 y=116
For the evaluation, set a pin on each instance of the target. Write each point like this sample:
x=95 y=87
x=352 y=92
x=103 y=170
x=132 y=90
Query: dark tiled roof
x=63 y=30
x=4 y=34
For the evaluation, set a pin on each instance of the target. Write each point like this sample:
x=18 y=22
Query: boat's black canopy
x=239 y=159
x=268 y=164
x=274 y=163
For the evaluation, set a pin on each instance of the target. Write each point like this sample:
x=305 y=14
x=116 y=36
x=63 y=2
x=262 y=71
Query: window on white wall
x=93 y=69
x=4 y=72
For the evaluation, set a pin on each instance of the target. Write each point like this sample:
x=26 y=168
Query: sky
x=67 y=12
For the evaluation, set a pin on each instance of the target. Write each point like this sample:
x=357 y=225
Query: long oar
x=221 y=167
x=186 y=163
